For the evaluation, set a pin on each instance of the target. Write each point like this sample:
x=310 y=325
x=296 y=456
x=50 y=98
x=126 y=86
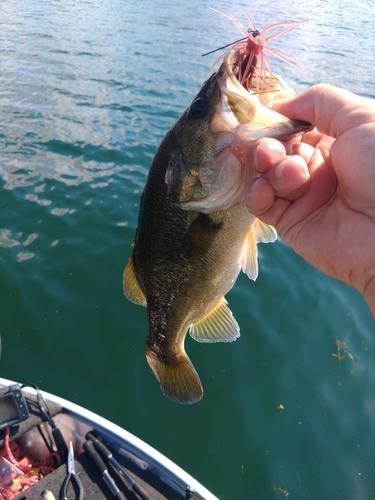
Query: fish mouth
x=236 y=63
x=249 y=91
x=242 y=115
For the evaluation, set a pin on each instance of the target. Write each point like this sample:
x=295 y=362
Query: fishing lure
x=251 y=50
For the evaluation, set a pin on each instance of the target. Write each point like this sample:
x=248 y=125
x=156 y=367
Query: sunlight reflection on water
x=88 y=90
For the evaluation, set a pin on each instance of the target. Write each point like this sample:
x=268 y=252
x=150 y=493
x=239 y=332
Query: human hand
x=319 y=190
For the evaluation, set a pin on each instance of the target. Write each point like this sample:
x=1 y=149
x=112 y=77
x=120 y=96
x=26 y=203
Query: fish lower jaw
x=216 y=202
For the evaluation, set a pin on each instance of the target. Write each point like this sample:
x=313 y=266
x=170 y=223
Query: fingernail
x=253 y=185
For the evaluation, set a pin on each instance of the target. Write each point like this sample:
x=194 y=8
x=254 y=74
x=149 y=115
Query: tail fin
x=177 y=376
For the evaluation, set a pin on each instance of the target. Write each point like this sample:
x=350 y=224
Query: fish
x=194 y=232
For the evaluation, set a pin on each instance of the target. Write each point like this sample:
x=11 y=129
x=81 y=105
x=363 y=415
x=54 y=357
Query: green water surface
x=87 y=92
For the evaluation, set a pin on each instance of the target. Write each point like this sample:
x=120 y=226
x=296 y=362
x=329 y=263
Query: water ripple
x=88 y=89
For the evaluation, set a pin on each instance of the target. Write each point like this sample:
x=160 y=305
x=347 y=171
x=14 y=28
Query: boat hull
x=158 y=475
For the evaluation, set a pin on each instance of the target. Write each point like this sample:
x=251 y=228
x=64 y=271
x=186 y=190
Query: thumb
x=330 y=109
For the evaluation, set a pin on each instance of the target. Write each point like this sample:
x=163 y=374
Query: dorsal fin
x=218 y=325
x=259 y=232
x=132 y=288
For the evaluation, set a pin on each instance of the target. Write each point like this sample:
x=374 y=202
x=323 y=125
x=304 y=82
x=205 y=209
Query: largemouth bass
x=194 y=232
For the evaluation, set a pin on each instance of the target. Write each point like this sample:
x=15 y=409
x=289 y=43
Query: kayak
x=52 y=449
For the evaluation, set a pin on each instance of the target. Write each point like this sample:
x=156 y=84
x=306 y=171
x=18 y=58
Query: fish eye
x=198 y=108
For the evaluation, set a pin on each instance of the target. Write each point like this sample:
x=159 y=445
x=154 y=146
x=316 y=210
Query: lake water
x=87 y=91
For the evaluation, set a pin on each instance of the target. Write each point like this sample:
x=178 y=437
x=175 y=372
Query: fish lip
x=300 y=127
x=228 y=68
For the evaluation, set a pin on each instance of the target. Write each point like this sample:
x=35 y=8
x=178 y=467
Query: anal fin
x=219 y=325
x=132 y=288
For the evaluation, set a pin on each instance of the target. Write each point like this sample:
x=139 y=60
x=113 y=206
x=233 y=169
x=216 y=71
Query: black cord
x=61 y=446
x=46 y=412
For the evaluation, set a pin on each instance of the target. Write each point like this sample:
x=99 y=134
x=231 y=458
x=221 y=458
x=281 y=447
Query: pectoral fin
x=258 y=233
x=200 y=236
x=132 y=288
x=250 y=255
x=218 y=325
x=264 y=232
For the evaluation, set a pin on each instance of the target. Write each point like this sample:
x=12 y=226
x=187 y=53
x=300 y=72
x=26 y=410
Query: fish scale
x=194 y=231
